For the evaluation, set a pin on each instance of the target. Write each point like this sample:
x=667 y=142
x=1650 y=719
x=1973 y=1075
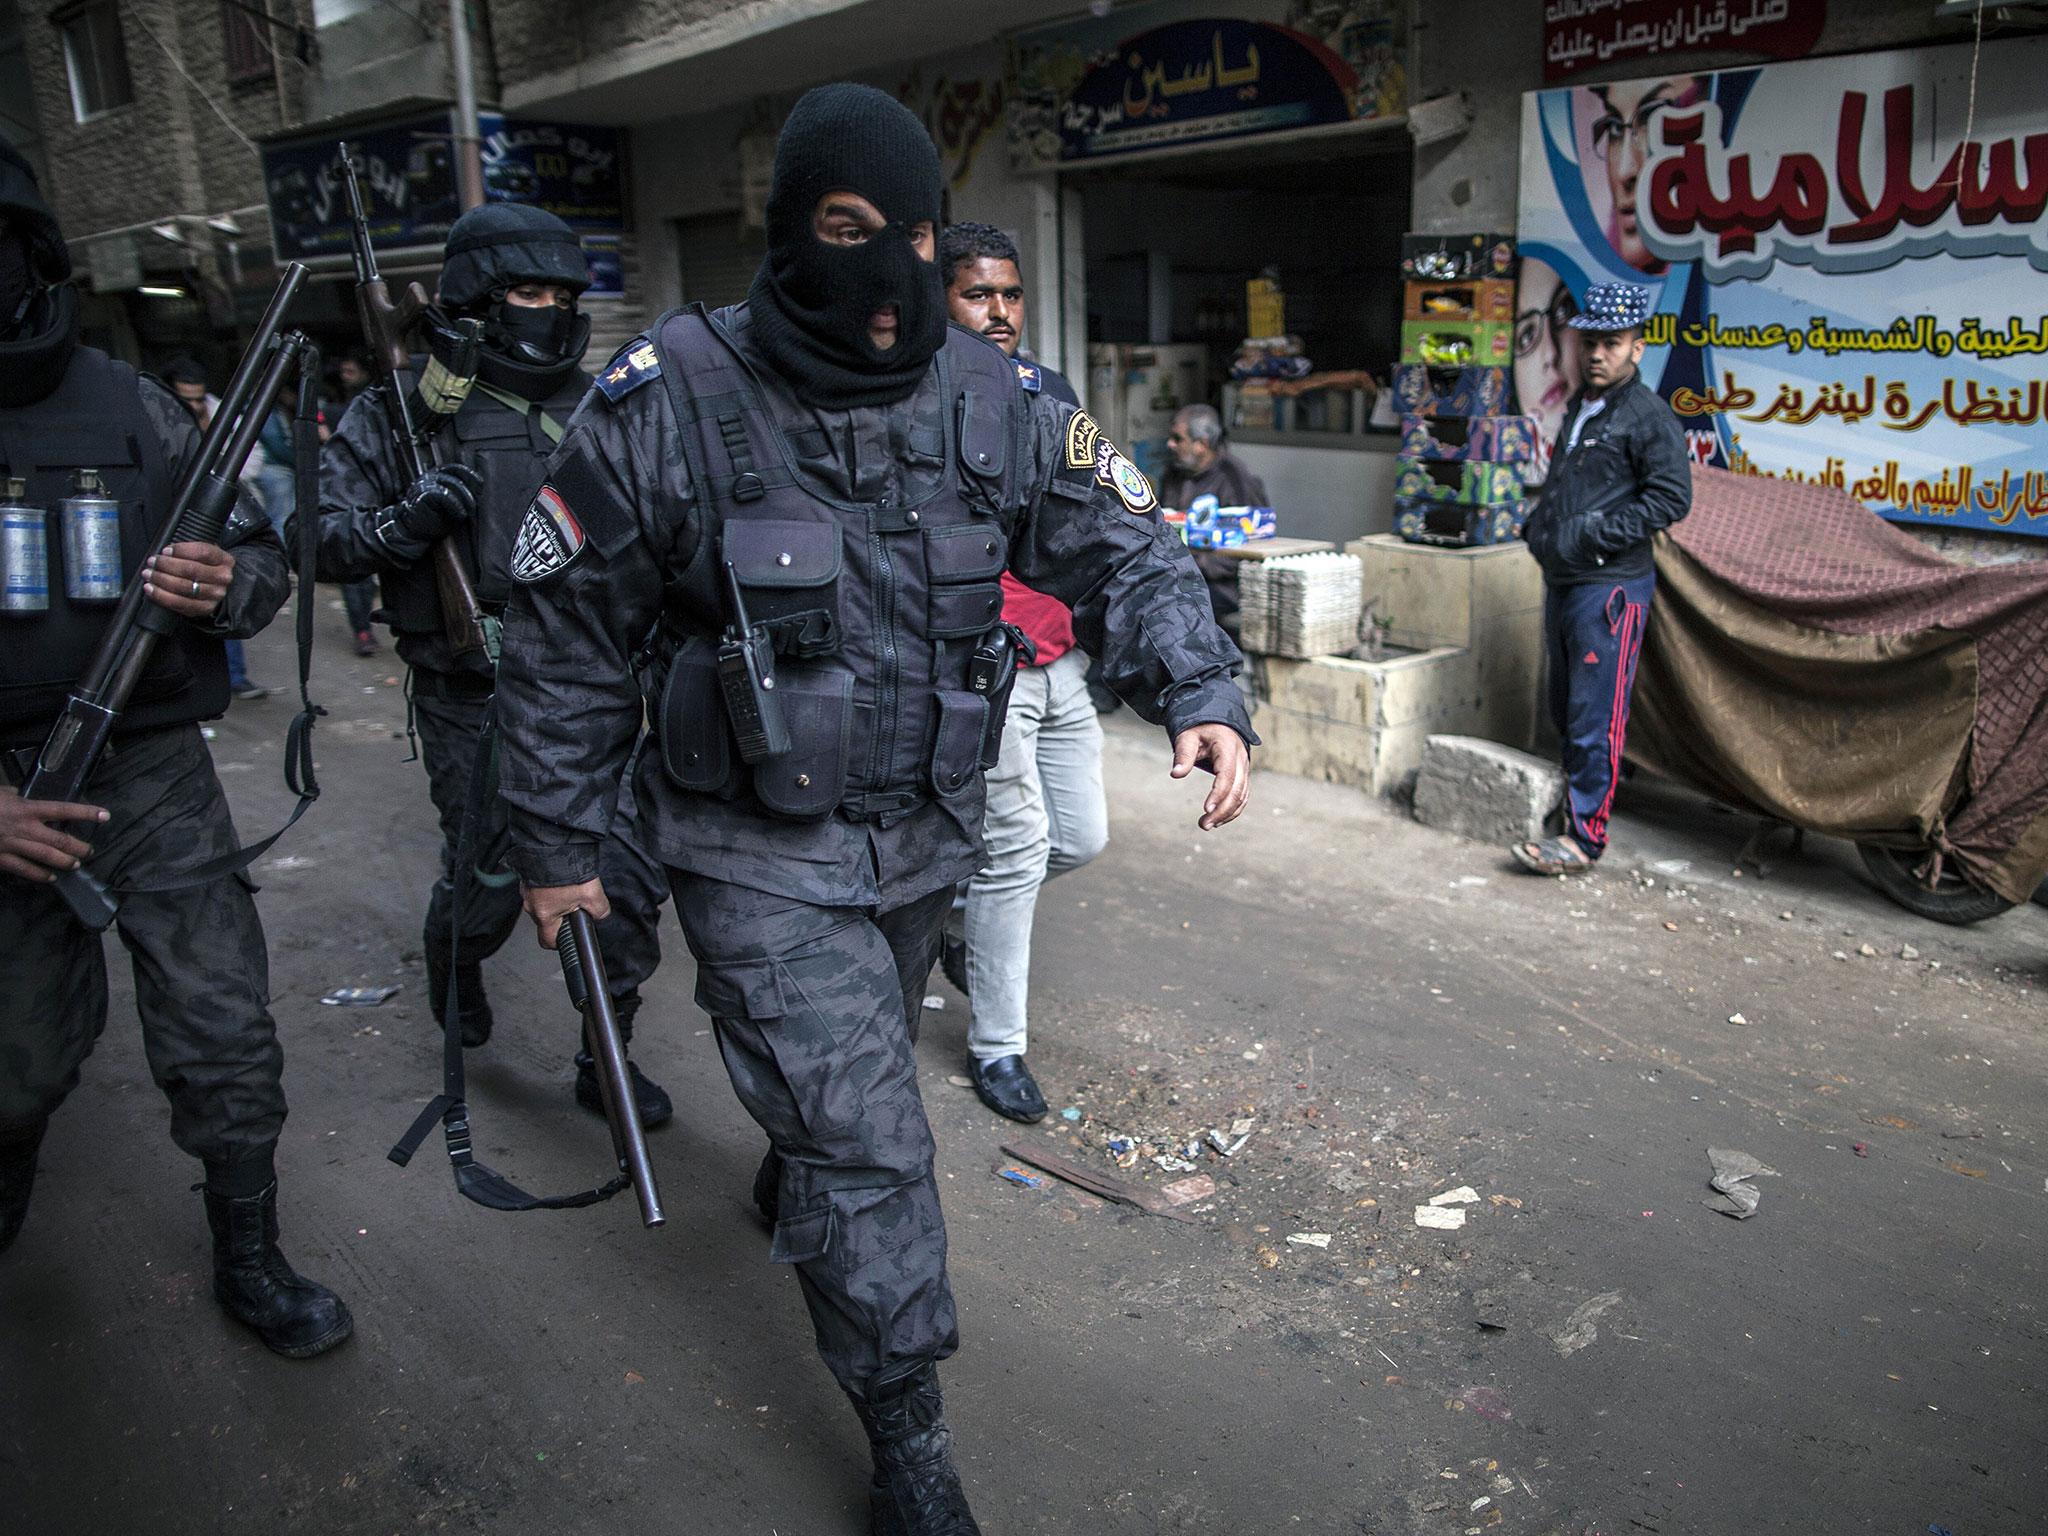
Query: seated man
x=1202 y=466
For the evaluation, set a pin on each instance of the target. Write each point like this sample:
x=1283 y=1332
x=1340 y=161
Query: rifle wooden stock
x=385 y=322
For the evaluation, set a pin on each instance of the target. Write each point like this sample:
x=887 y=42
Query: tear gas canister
x=92 y=541
x=24 y=552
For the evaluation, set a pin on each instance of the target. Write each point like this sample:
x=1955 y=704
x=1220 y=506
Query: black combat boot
x=292 y=1315
x=17 y=1179
x=476 y=1008
x=656 y=1108
x=915 y=1491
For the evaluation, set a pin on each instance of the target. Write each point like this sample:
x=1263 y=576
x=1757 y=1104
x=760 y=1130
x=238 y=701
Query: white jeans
x=1046 y=815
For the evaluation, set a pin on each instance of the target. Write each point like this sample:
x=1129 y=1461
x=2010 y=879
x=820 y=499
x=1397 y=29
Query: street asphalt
x=1379 y=1012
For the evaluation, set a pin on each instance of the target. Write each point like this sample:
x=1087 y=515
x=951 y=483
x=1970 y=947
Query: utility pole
x=469 y=157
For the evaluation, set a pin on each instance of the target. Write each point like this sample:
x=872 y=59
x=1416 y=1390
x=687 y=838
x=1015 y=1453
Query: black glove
x=440 y=500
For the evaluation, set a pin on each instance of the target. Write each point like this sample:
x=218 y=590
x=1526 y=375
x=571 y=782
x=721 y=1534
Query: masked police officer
x=519 y=270
x=864 y=475
x=156 y=812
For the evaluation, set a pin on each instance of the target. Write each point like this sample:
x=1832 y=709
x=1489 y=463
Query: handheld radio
x=746 y=676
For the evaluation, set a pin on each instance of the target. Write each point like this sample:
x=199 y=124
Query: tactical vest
x=875 y=610
x=94 y=420
x=510 y=449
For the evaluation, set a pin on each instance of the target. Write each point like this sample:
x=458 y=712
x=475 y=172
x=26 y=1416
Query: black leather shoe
x=476 y=1017
x=17 y=1181
x=915 y=1490
x=768 y=1187
x=953 y=961
x=1007 y=1087
x=656 y=1107
x=292 y=1315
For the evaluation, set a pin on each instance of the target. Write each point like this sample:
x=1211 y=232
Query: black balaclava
x=527 y=352
x=38 y=306
x=811 y=301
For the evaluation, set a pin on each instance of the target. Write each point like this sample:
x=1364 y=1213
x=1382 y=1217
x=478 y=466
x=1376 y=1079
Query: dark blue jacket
x=1629 y=476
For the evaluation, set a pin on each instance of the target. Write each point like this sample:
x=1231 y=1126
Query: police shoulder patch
x=1082 y=436
x=634 y=365
x=1125 y=478
x=1029 y=376
x=549 y=538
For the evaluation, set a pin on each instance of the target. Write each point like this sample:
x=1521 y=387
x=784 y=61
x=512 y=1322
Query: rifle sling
x=476 y=1182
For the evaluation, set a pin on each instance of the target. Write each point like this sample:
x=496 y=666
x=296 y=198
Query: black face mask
x=527 y=351
x=537 y=336
x=33 y=358
x=811 y=301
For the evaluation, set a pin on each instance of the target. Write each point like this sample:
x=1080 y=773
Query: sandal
x=1552 y=856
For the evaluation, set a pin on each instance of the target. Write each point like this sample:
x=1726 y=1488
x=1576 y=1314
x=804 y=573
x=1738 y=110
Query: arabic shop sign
x=1846 y=289
x=1583 y=34
x=410 y=186
x=1110 y=85
x=572 y=172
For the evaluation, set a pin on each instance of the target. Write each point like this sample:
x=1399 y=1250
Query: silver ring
x=195 y=586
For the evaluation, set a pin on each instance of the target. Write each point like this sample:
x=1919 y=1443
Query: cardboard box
x=1255 y=406
x=1458 y=524
x=1475 y=343
x=1454 y=439
x=1444 y=258
x=1214 y=527
x=1490 y=299
x=1474 y=481
x=1424 y=391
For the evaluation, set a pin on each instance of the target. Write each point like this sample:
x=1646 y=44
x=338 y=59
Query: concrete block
x=1361 y=722
x=1483 y=790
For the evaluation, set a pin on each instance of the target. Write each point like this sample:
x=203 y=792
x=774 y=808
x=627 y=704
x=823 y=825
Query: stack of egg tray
x=1301 y=605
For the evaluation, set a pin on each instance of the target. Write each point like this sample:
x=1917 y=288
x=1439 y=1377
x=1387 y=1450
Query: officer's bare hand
x=1222 y=751
x=30 y=844
x=189 y=579
x=548 y=905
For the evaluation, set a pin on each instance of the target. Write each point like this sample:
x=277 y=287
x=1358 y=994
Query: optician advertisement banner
x=1848 y=263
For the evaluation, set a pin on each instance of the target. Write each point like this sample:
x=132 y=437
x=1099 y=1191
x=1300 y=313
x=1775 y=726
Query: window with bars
x=95 y=58
x=245 y=37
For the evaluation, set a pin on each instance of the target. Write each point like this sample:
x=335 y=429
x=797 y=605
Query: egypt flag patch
x=549 y=538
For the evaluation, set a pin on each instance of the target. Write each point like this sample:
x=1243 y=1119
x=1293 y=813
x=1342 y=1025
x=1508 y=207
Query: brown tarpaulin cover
x=1809 y=661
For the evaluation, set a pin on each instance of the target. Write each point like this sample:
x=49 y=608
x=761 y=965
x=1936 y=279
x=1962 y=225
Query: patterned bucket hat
x=1612 y=307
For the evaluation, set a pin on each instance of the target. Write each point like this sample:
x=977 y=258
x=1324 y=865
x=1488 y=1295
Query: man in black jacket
x=520 y=271
x=864 y=473
x=153 y=812
x=1618 y=473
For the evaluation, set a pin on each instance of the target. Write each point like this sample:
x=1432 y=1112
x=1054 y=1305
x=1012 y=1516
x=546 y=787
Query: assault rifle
x=583 y=970
x=198 y=513
x=385 y=322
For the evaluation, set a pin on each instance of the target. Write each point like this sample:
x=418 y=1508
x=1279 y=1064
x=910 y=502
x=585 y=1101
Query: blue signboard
x=1109 y=84
x=573 y=172
x=1193 y=80
x=411 y=190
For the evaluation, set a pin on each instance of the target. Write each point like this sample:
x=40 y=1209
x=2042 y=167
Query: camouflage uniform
x=814 y=937
x=202 y=981
x=359 y=473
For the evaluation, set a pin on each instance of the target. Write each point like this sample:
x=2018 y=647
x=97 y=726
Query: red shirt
x=1048 y=621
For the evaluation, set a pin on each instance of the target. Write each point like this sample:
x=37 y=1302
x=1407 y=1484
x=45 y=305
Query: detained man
x=1046 y=810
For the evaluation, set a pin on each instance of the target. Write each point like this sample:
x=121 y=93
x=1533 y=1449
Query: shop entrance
x=1170 y=245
